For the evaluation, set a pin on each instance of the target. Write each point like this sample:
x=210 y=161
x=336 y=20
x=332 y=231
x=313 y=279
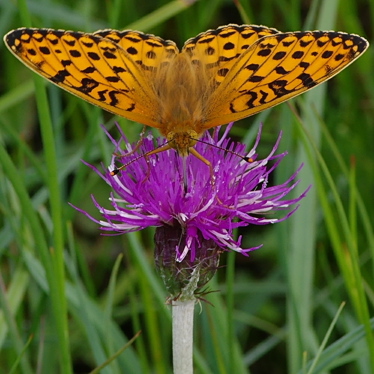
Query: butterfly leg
x=194 y=152
x=148 y=168
x=137 y=145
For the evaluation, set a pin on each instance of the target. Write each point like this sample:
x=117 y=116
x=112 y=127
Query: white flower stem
x=182 y=312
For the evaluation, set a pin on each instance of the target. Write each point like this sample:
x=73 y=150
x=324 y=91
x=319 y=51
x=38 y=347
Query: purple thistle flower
x=195 y=218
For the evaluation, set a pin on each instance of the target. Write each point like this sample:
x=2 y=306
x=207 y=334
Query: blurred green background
x=71 y=298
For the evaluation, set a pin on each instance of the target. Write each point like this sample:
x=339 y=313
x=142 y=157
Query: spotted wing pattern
x=110 y=69
x=247 y=69
x=276 y=68
x=219 y=49
x=148 y=51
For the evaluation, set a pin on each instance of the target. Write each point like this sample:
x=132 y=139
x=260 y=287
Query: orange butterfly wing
x=272 y=70
x=110 y=69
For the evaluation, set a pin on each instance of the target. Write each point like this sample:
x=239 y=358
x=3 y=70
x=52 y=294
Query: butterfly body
x=220 y=76
x=182 y=89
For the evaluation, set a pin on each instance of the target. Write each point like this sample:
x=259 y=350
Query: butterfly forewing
x=89 y=66
x=277 y=68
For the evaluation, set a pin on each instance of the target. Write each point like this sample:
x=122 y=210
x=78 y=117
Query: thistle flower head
x=195 y=218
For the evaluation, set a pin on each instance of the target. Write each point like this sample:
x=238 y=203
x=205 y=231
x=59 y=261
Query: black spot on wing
x=88 y=85
x=339 y=57
x=109 y=55
x=304 y=64
x=326 y=54
x=321 y=43
x=278 y=87
x=89 y=70
x=72 y=42
x=305 y=43
x=113 y=79
x=210 y=51
x=255 y=78
x=228 y=46
x=93 y=56
x=131 y=107
x=281 y=70
x=102 y=95
x=288 y=43
x=87 y=43
x=253 y=97
x=297 y=55
x=118 y=69
x=132 y=51
x=279 y=55
x=264 y=95
x=60 y=76
x=307 y=80
x=74 y=53
x=151 y=55
x=45 y=50
x=264 y=52
x=252 y=67
x=114 y=101
x=222 y=72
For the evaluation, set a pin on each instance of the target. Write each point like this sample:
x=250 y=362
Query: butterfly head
x=182 y=142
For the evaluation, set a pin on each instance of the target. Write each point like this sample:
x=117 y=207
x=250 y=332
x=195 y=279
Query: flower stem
x=183 y=336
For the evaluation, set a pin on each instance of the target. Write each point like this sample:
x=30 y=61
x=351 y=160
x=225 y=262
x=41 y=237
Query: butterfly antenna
x=158 y=149
x=244 y=158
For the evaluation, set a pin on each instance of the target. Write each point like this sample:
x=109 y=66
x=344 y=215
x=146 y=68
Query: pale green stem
x=183 y=336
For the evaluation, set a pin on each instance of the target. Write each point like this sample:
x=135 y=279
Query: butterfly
x=220 y=76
